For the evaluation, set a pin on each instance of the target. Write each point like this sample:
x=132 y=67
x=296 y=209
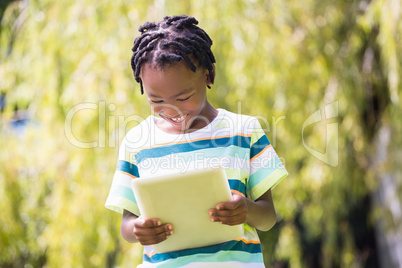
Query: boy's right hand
x=151 y=231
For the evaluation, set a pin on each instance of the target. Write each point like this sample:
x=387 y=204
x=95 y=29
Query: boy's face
x=178 y=96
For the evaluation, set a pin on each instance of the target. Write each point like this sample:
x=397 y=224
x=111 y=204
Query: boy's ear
x=208 y=78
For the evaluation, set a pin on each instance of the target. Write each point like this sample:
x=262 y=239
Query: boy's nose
x=171 y=111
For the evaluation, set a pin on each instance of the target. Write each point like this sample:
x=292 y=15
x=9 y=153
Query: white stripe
x=262 y=160
x=122 y=179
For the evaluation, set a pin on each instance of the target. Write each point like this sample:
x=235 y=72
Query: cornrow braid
x=172 y=40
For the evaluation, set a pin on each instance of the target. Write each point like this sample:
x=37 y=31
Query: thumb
x=236 y=197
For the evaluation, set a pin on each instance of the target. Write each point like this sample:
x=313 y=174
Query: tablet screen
x=183 y=200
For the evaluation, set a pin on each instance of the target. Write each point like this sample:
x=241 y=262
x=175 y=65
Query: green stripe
x=220 y=257
x=248 y=228
x=269 y=182
x=236 y=174
x=123 y=191
x=256 y=135
x=264 y=172
x=124 y=197
x=118 y=204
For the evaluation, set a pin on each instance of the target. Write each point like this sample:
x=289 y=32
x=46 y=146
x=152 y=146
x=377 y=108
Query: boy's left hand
x=230 y=213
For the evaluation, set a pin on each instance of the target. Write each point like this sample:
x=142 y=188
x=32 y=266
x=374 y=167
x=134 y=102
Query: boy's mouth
x=176 y=120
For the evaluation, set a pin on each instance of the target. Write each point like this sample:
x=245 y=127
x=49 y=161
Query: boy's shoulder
x=238 y=116
x=240 y=122
x=138 y=136
x=144 y=125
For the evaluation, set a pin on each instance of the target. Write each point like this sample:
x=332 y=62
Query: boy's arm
x=259 y=214
x=146 y=231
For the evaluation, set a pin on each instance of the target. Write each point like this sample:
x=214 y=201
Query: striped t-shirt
x=232 y=141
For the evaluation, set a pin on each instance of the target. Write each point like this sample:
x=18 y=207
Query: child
x=173 y=63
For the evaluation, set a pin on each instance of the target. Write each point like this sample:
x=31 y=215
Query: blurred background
x=323 y=77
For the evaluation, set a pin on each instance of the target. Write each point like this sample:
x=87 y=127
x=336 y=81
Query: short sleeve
x=121 y=196
x=266 y=169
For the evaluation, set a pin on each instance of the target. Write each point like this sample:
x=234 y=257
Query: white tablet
x=184 y=200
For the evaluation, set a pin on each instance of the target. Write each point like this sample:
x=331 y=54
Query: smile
x=177 y=120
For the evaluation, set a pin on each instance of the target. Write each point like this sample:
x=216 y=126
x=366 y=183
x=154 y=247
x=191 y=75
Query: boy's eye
x=156 y=101
x=185 y=98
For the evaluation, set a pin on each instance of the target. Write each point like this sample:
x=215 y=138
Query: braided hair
x=169 y=41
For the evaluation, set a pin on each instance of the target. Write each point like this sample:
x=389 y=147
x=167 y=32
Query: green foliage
x=67 y=62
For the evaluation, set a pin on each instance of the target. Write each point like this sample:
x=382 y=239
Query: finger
x=234 y=220
x=153 y=235
x=225 y=213
x=143 y=223
x=235 y=203
x=152 y=231
x=228 y=205
x=154 y=239
x=228 y=212
x=229 y=216
x=237 y=197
